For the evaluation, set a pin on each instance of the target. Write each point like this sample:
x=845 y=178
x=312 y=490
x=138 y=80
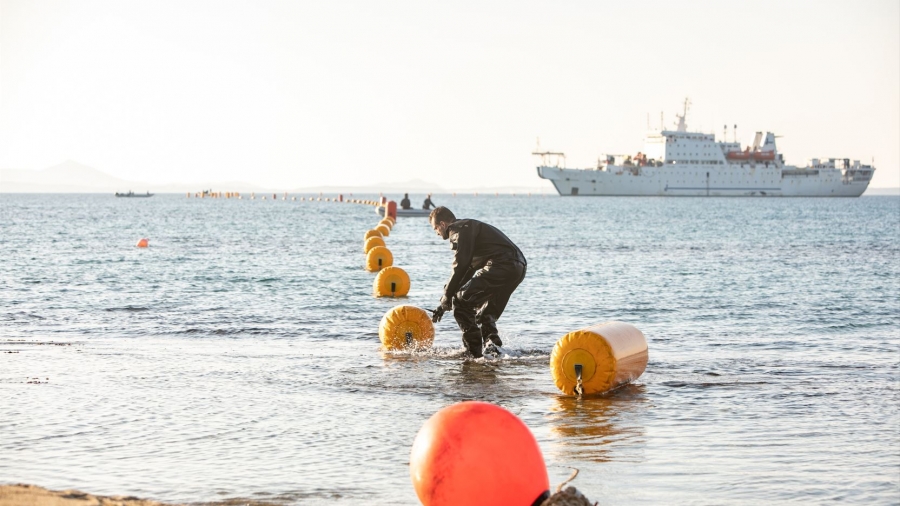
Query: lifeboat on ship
x=766 y=156
x=739 y=155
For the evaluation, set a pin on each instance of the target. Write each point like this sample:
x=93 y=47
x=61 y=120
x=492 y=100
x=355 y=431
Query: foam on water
x=238 y=355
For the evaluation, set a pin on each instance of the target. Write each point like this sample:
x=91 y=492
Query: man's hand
x=445 y=305
x=437 y=314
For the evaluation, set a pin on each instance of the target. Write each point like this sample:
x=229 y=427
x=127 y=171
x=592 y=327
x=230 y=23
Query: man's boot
x=489 y=331
x=472 y=342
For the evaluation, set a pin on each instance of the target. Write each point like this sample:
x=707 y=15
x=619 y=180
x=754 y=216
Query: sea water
x=238 y=355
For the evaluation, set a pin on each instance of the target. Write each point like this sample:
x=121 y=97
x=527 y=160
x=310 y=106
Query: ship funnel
x=769 y=145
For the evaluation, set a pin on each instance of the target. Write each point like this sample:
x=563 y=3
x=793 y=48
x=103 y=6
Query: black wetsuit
x=404 y=204
x=428 y=204
x=487 y=268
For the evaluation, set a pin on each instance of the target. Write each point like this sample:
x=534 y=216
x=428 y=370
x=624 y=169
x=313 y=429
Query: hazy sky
x=291 y=94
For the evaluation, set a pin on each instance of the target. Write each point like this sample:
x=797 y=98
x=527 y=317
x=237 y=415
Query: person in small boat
x=404 y=204
x=428 y=204
x=487 y=268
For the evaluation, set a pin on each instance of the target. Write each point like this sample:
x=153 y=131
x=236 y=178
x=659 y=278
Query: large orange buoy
x=372 y=233
x=391 y=210
x=143 y=243
x=378 y=258
x=384 y=229
x=371 y=242
x=474 y=453
x=391 y=282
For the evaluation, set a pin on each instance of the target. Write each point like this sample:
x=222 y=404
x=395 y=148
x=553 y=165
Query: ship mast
x=548 y=157
x=682 y=126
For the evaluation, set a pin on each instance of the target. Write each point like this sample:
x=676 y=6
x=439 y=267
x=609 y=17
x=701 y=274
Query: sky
x=306 y=93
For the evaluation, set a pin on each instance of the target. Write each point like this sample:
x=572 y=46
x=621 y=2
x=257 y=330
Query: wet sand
x=32 y=495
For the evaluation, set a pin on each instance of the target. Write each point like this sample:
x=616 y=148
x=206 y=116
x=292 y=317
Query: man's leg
x=493 y=307
x=479 y=293
x=464 y=313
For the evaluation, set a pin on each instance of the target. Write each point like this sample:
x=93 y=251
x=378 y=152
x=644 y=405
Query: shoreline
x=21 y=494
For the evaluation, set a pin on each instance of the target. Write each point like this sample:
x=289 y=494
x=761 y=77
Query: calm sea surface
x=238 y=356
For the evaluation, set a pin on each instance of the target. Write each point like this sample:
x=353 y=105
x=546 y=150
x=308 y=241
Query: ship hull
x=676 y=180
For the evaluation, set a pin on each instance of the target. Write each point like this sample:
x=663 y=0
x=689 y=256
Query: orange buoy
x=143 y=243
x=475 y=453
x=391 y=282
x=405 y=327
x=391 y=210
x=378 y=258
x=372 y=233
x=384 y=229
x=371 y=242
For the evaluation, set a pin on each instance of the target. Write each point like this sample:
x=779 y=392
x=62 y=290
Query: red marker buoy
x=143 y=243
x=475 y=453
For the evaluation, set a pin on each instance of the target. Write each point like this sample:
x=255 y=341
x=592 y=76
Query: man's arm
x=463 y=241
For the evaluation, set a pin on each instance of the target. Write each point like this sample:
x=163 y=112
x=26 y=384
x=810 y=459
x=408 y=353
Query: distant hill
x=66 y=177
x=73 y=177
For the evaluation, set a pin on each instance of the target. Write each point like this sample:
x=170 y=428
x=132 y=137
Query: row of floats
x=274 y=196
x=319 y=198
x=591 y=360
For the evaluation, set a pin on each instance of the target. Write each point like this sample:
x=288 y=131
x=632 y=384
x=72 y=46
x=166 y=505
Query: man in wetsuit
x=404 y=204
x=428 y=204
x=487 y=268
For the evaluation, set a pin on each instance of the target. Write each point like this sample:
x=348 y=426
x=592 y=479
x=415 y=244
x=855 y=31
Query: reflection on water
x=599 y=428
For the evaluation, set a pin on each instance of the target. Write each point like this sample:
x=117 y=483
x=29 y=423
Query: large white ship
x=684 y=163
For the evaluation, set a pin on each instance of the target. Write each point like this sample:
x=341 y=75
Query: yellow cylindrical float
x=406 y=327
x=391 y=282
x=378 y=258
x=606 y=356
x=371 y=242
x=387 y=222
x=372 y=233
x=384 y=229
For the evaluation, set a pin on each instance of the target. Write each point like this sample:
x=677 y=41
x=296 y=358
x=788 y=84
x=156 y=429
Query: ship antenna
x=682 y=126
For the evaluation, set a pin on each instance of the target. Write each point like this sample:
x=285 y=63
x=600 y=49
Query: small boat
x=131 y=194
x=406 y=213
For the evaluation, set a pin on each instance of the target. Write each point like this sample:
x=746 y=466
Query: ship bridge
x=683 y=147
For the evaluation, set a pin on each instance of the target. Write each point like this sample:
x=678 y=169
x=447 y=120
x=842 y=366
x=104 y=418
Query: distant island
x=74 y=177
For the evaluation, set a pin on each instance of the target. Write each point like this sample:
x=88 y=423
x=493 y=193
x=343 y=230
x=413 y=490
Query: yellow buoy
x=386 y=222
x=384 y=229
x=372 y=233
x=391 y=282
x=378 y=258
x=606 y=356
x=406 y=327
x=371 y=242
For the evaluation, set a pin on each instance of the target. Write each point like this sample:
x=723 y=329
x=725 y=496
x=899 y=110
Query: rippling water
x=238 y=355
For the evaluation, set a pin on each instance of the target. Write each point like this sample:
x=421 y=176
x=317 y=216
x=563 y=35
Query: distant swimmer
x=428 y=204
x=404 y=204
x=487 y=268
